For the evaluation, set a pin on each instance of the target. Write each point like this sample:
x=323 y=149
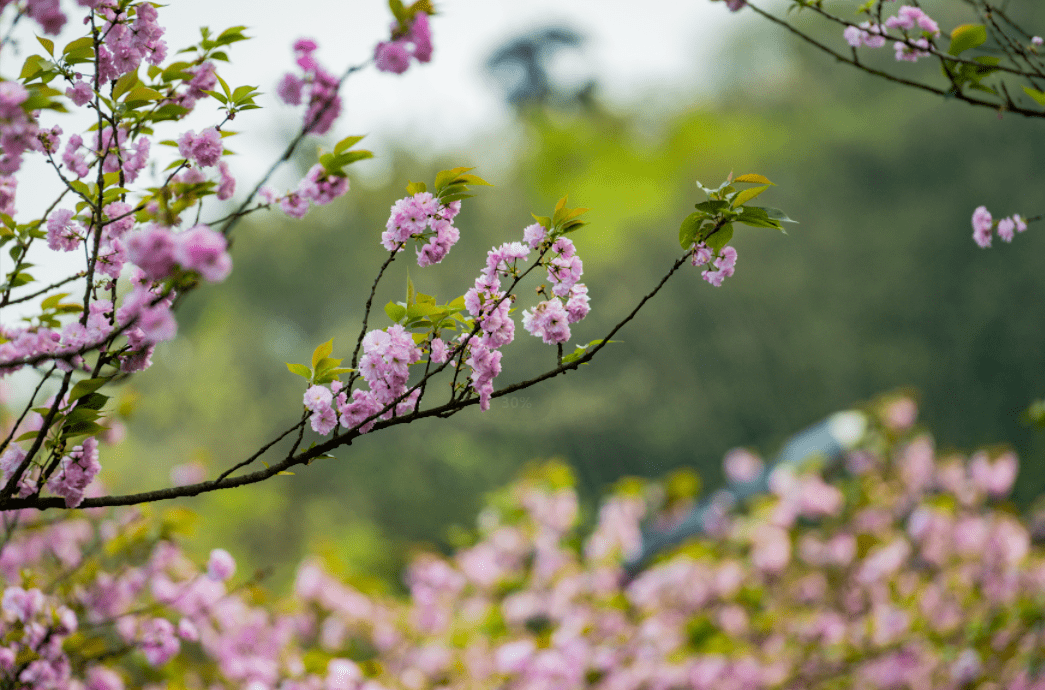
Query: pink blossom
x=1006 y=229
x=742 y=466
x=63 y=233
x=289 y=89
x=203 y=250
x=548 y=321
x=220 y=565
x=227 y=185
x=153 y=249
x=80 y=93
x=982 y=225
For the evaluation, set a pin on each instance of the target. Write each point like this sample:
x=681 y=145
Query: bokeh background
x=880 y=286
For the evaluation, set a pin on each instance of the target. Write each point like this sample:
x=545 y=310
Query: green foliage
x=967 y=37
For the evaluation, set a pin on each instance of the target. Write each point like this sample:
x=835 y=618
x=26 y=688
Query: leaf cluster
x=450 y=185
x=324 y=369
x=712 y=222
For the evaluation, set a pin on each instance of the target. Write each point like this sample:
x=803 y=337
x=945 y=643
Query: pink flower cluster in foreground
x=385 y=367
x=317 y=187
x=983 y=226
x=414 y=41
x=316 y=85
x=423 y=218
x=721 y=267
x=909 y=572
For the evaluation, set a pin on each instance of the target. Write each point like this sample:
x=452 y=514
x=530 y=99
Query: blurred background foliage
x=879 y=287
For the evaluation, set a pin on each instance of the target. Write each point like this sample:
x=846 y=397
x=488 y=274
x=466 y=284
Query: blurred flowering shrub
x=907 y=570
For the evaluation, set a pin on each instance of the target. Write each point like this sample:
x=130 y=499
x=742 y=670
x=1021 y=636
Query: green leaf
x=451 y=189
x=349 y=157
x=322 y=351
x=299 y=369
x=713 y=206
x=689 y=229
x=124 y=84
x=446 y=177
x=777 y=214
x=143 y=93
x=32 y=65
x=396 y=312
x=91 y=401
x=416 y=188
x=79 y=44
x=472 y=180
x=242 y=92
x=543 y=220
x=753 y=178
x=52 y=301
x=82 y=414
x=966 y=37
x=419 y=309
x=347 y=143
x=324 y=367
x=757 y=218
x=449 y=198
x=224 y=85
x=1036 y=95
x=82 y=428
x=85 y=387
x=747 y=195
x=47 y=44
x=720 y=238
x=582 y=350
x=411 y=293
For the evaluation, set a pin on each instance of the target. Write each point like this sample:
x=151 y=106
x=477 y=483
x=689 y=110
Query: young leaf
x=757 y=217
x=777 y=214
x=52 y=301
x=396 y=312
x=446 y=177
x=86 y=386
x=1036 y=95
x=752 y=178
x=747 y=195
x=966 y=37
x=346 y=143
x=78 y=44
x=300 y=370
x=581 y=350
x=721 y=238
x=322 y=351
x=47 y=44
x=689 y=229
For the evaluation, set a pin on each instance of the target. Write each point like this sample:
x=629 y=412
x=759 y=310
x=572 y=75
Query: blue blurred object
x=828 y=440
x=525 y=67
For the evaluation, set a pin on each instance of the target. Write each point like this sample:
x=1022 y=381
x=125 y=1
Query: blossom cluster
x=721 y=267
x=413 y=41
x=424 y=218
x=18 y=130
x=317 y=86
x=319 y=187
x=983 y=226
x=550 y=320
x=909 y=570
x=908 y=19
x=385 y=367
